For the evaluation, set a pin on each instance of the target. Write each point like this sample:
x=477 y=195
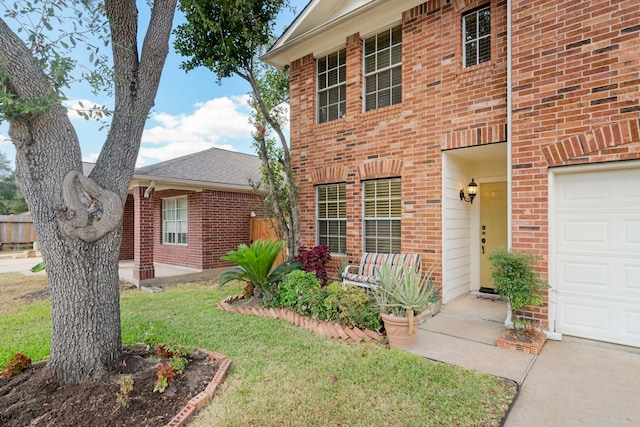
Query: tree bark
x=293 y=221
x=78 y=220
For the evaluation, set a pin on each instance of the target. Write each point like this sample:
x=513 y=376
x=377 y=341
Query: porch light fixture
x=472 y=190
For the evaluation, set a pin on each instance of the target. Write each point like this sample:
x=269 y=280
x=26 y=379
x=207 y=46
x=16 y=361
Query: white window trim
x=176 y=221
x=464 y=42
x=387 y=218
x=373 y=73
x=318 y=219
x=326 y=89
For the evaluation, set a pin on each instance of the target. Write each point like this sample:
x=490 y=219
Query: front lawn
x=282 y=375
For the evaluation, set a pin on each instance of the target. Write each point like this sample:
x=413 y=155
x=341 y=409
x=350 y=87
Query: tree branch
x=91 y=211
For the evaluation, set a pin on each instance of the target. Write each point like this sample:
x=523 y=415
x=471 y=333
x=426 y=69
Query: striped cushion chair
x=365 y=274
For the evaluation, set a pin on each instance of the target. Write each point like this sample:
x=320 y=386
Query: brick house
x=189 y=211
x=397 y=106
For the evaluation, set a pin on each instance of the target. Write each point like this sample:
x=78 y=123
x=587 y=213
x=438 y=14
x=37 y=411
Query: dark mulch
x=526 y=335
x=31 y=398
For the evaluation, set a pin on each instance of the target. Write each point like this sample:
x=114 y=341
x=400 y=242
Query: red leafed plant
x=19 y=363
x=164 y=374
x=315 y=259
x=163 y=352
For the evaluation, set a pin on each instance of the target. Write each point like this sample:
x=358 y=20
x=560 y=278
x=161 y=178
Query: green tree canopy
x=227 y=36
x=11 y=199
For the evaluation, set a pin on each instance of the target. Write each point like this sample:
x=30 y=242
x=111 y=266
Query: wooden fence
x=262 y=229
x=17 y=230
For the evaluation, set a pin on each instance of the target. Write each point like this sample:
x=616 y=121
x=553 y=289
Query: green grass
x=286 y=376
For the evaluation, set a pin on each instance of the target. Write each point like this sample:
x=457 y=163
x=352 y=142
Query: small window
x=332 y=89
x=383 y=69
x=332 y=217
x=382 y=202
x=476 y=30
x=174 y=221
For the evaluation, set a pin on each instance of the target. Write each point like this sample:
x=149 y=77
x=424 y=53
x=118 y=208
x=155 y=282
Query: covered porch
x=166 y=274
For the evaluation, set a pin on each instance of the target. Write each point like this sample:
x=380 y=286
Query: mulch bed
x=31 y=398
x=526 y=340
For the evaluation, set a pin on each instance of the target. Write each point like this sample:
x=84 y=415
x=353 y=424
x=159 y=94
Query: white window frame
x=394 y=69
x=172 y=233
x=477 y=38
x=340 y=87
x=341 y=220
x=393 y=240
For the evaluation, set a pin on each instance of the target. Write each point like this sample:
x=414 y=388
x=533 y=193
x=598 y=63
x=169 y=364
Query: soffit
x=324 y=25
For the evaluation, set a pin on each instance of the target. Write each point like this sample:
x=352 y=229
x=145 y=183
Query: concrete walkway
x=574 y=382
x=165 y=274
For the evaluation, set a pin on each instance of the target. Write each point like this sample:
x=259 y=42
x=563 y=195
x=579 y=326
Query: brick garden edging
x=201 y=398
x=332 y=330
x=533 y=347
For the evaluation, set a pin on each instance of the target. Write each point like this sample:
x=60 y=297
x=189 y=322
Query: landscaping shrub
x=296 y=290
x=271 y=296
x=316 y=260
x=301 y=291
x=356 y=308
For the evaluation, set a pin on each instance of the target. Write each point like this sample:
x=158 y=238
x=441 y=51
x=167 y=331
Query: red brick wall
x=444 y=106
x=576 y=92
x=576 y=100
x=126 y=247
x=218 y=221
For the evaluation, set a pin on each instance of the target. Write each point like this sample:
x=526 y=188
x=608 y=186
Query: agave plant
x=255 y=265
x=403 y=291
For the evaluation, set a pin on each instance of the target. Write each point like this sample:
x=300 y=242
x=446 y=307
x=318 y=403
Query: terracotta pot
x=397 y=329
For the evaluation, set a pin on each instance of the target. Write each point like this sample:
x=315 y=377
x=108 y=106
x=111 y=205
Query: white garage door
x=597 y=255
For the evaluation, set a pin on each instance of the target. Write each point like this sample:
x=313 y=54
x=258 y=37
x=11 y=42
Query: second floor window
x=174 y=221
x=332 y=97
x=332 y=216
x=383 y=69
x=382 y=205
x=476 y=30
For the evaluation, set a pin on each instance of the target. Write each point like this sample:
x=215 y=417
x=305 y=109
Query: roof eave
x=275 y=56
x=165 y=183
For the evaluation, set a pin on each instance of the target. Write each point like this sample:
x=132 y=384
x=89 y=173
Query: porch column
x=143 y=235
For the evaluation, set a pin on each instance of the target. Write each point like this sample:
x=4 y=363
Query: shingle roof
x=215 y=166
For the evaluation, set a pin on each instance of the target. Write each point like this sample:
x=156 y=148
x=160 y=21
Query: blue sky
x=192 y=112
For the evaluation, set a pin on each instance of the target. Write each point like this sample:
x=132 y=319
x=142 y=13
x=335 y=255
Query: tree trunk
x=77 y=219
x=290 y=219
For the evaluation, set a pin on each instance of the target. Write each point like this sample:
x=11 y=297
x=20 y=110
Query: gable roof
x=212 y=168
x=323 y=26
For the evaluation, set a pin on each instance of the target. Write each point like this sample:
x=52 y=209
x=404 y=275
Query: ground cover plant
x=283 y=375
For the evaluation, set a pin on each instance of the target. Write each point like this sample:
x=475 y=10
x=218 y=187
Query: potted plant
x=402 y=294
x=516 y=280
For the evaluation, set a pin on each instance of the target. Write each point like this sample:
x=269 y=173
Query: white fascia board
x=365 y=18
x=164 y=183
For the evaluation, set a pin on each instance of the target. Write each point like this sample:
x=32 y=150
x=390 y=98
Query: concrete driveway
x=21 y=264
x=573 y=382
x=578 y=382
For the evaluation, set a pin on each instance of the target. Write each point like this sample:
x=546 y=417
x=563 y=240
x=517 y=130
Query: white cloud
x=150 y=155
x=219 y=122
x=213 y=121
x=91 y=157
x=4 y=139
x=75 y=106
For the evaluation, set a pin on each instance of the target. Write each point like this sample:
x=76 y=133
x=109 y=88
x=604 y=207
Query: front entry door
x=493 y=227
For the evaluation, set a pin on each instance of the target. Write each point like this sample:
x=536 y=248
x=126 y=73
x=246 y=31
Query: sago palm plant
x=255 y=265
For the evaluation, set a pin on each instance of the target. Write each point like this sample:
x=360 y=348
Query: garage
x=595 y=253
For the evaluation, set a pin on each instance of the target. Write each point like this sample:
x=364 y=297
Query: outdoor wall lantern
x=472 y=190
